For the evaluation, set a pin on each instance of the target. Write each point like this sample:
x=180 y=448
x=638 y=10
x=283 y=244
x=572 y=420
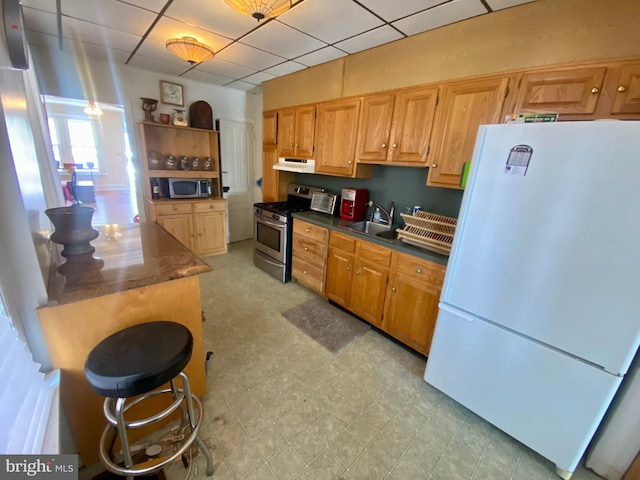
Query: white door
x=236 y=153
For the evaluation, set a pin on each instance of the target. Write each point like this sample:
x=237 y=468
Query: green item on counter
x=465 y=174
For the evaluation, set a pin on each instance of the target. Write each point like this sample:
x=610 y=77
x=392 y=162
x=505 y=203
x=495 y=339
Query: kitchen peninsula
x=140 y=274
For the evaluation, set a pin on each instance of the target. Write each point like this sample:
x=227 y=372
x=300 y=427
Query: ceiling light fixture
x=189 y=49
x=92 y=109
x=260 y=9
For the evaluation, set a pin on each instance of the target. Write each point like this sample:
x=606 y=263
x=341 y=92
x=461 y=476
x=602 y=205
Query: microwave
x=189 y=187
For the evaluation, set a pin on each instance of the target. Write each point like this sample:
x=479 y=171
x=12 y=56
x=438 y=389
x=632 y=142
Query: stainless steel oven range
x=273 y=227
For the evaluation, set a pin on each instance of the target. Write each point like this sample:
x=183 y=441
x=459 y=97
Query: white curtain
x=26 y=395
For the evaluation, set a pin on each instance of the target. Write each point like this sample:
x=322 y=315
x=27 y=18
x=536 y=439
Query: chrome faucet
x=387 y=216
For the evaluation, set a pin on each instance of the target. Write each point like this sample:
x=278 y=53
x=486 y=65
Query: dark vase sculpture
x=73 y=230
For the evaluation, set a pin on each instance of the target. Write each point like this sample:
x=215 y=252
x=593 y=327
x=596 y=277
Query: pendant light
x=189 y=49
x=260 y=9
x=93 y=109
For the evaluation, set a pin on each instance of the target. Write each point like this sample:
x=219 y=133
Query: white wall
x=63 y=75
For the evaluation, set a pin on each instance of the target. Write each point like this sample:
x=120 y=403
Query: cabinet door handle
x=304 y=271
x=394 y=145
x=434 y=165
x=306 y=249
x=393 y=289
x=384 y=145
x=348 y=269
x=622 y=88
x=306 y=230
x=349 y=162
x=358 y=273
x=595 y=90
x=418 y=270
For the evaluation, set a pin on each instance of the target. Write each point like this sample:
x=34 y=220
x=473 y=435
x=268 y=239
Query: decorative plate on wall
x=201 y=115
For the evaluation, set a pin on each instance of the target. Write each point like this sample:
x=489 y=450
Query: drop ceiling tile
x=249 y=56
x=216 y=16
x=370 y=39
x=98 y=52
x=285 y=68
x=282 y=40
x=90 y=33
x=153 y=65
x=77 y=49
x=321 y=56
x=39 y=21
x=330 y=20
x=225 y=69
x=152 y=5
x=46 y=5
x=258 y=78
x=110 y=13
x=439 y=16
x=391 y=11
x=500 y=4
x=167 y=28
x=247 y=87
x=204 y=77
x=42 y=39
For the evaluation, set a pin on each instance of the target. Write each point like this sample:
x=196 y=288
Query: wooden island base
x=71 y=330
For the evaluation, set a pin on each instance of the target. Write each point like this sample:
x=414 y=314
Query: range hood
x=296 y=165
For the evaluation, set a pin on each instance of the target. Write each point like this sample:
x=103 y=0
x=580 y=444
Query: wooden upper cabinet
x=270 y=177
x=626 y=98
x=305 y=131
x=270 y=128
x=570 y=91
x=296 y=131
x=337 y=128
x=396 y=127
x=464 y=106
x=375 y=127
x=286 y=132
x=412 y=123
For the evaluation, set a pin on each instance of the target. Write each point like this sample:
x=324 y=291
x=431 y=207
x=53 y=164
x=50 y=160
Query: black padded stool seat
x=138 y=359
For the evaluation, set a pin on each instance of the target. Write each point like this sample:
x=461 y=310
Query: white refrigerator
x=540 y=309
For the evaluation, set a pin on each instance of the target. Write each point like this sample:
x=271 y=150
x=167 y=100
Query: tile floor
x=282 y=407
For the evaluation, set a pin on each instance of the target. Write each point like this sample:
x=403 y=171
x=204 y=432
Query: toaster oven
x=326 y=203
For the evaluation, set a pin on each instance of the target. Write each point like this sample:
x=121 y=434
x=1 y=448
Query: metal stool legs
x=114 y=410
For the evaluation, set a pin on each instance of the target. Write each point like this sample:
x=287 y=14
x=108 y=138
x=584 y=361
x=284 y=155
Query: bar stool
x=138 y=361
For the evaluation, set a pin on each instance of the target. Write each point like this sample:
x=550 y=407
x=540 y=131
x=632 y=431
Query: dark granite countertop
x=333 y=223
x=126 y=257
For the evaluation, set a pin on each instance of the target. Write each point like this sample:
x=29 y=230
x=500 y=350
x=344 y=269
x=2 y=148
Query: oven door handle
x=266 y=222
x=270 y=262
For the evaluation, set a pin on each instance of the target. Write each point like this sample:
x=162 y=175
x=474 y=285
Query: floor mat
x=331 y=327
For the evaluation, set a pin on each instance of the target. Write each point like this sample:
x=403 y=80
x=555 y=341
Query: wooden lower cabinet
x=210 y=228
x=357 y=273
x=396 y=292
x=201 y=226
x=342 y=249
x=309 y=254
x=411 y=306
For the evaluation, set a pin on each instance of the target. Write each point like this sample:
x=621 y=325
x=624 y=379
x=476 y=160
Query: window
x=74 y=141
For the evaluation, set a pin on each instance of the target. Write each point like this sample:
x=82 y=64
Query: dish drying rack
x=428 y=230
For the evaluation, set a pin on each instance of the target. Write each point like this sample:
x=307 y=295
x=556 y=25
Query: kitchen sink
x=377 y=230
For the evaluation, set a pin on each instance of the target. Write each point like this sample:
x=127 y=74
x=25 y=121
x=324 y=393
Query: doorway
x=98 y=148
x=236 y=157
